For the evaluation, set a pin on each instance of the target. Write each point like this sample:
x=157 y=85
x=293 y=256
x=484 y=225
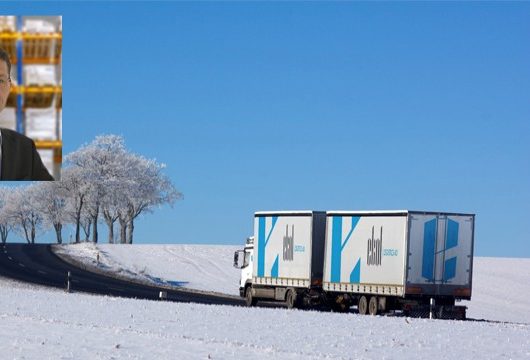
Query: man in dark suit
x=19 y=159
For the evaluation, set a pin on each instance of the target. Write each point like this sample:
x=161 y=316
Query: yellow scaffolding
x=35 y=49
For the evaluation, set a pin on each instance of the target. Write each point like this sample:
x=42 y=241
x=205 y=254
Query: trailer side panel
x=283 y=249
x=365 y=253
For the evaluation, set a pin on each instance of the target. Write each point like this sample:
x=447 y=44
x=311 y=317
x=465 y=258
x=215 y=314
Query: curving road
x=38 y=264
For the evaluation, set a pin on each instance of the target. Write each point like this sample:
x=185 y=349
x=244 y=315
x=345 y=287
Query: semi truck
x=418 y=263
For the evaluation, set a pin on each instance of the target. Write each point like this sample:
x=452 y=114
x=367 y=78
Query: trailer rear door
x=440 y=251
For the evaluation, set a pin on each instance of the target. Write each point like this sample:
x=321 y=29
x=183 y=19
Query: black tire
x=363 y=305
x=290 y=299
x=341 y=307
x=373 y=306
x=249 y=299
x=341 y=303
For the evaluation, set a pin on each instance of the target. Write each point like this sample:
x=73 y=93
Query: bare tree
x=21 y=209
x=6 y=220
x=110 y=205
x=51 y=201
x=101 y=162
x=73 y=182
x=86 y=222
x=120 y=185
x=148 y=188
x=152 y=190
x=99 y=178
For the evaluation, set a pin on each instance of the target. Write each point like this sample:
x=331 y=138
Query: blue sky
x=268 y=106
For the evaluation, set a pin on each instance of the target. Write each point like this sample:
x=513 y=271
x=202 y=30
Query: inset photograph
x=30 y=98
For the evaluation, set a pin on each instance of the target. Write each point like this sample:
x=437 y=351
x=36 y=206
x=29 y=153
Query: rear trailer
x=416 y=262
x=288 y=256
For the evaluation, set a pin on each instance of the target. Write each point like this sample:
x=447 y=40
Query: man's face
x=5 y=85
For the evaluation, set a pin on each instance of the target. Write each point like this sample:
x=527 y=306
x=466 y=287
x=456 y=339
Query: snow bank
x=501 y=290
x=200 y=267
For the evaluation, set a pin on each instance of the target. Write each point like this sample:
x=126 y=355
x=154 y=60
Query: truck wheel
x=340 y=307
x=363 y=305
x=291 y=299
x=249 y=299
x=372 y=305
x=341 y=303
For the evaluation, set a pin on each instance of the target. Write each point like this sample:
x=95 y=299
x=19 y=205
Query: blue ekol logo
x=374 y=247
x=288 y=245
x=288 y=241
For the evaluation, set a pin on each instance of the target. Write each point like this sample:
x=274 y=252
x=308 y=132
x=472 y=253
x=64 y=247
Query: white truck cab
x=243 y=259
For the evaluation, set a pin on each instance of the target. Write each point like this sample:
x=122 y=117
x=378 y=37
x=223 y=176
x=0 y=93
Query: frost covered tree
x=119 y=184
x=111 y=207
x=6 y=220
x=146 y=189
x=101 y=177
x=51 y=199
x=101 y=163
x=22 y=210
x=86 y=222
x=73 y=182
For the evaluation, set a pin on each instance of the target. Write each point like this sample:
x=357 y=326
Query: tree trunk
x=130 y=229
x=95 y=231
x=78 y=220
x=4 y=232
x=58 y=227
x=33 y=234
x=77 y=227
x=26 y=233
x=86 y=230
x=110 y=224
x=123 y=231
x=95 y=225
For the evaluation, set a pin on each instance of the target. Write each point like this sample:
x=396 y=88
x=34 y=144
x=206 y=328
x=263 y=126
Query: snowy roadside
x=198 y=267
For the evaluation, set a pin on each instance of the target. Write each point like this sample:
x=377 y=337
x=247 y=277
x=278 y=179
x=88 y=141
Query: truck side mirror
x=239 y=260
x=236 y=257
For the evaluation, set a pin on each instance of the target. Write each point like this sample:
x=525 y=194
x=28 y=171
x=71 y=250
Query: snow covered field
x=39 y=323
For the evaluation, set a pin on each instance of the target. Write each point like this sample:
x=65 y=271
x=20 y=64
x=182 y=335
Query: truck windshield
x=246 y=259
